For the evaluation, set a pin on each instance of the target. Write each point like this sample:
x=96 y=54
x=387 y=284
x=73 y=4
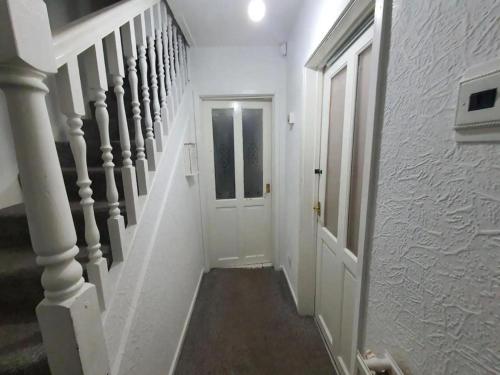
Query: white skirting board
x=185 y=327
x=290 y=286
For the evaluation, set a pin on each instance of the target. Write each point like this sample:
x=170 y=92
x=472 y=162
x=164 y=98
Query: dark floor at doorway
x=245 y=323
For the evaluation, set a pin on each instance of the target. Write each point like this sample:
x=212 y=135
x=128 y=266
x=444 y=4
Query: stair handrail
x=74 y=38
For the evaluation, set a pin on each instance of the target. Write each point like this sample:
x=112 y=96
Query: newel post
x=69 y=315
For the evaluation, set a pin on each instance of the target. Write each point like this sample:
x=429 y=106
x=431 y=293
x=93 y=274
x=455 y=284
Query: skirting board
x=290 y=286
x=186 y=325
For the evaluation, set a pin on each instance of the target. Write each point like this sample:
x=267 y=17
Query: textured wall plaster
x=434 y=296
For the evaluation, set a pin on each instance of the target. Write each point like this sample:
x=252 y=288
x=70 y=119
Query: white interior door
x=345 y=98
x=237 y=138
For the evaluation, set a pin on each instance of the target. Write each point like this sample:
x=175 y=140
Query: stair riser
x=91 y=130
x=15 y=230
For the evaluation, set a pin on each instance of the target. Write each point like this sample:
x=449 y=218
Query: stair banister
x=95 y=69
x=130 y=52
x=114 y=53
x=140 y=33
x=69 y=315
x=151 y=40
x=161 y=69
x=76 y=37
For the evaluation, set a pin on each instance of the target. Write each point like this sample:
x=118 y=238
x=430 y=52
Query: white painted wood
x=95 y=72
x=75 y=38
x=338 y=270
x=178 y=83
x=351 y=19
x=25 y=62
x=239 y=229
x=151 y=38
x=161 y=69
x=166 y=56
x=173 y=75
x=72 y=105
x=130 y=53
x=115 y=65
x=140 y=29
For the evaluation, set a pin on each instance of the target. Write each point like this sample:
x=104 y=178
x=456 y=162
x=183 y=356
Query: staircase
x=21 y=348
x=126 y=31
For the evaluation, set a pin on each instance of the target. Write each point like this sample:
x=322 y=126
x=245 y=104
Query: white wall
x=231 y=71
x=315 y=19
x=155 y=287
x=434 y=297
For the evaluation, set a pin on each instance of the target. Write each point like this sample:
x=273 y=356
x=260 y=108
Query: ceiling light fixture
x=256 y=10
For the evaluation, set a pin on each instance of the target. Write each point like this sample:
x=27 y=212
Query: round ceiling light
x=256 y=10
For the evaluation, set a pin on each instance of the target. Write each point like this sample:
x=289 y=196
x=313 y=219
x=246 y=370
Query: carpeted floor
x=245 y=323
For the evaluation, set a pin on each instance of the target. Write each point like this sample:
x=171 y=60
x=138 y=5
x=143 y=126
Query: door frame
x=275 y=167
x=337 y=40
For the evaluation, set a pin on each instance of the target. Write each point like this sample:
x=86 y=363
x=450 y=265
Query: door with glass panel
x=238 y=142
x=345 y=98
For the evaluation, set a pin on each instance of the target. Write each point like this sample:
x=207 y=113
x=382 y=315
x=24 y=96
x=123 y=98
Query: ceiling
x=226 y=23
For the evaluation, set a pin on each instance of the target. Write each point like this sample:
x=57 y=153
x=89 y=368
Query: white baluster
x=177 y=66
x=72 y=105
x=161 y=70
x=140 y=31
x=171 y=53
x=117 y=71
x=170 y=97
x=70 y=305
x=150 y=37
x=130 y=52
x=181 y=63
x=95 y=69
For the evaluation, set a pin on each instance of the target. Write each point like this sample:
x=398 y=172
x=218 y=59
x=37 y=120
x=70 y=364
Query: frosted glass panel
x=358 y=150
x=223 y=133
x=252 y=152
x=334 y=151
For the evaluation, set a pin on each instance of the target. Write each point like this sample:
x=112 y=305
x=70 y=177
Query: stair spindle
x=115 y=63
x=177 y=66
x=151 y=39
x=170 y=98
x=140 y=30
x=130 y=52
x=72 y=105
x=172 y=61
x=161 y=70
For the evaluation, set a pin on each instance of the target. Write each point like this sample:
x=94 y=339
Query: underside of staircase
x=21 y=348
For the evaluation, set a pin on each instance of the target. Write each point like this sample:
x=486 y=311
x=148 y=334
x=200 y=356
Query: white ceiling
x=226 y=23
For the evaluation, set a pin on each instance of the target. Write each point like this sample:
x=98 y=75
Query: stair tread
x=18 y=261
x=21 y=349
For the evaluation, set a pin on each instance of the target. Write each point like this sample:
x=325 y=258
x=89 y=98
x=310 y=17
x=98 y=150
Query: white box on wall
x=190 y=159
x=478 y=108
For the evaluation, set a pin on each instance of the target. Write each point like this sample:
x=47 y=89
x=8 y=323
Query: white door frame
x=275 y=167
x=333 y=44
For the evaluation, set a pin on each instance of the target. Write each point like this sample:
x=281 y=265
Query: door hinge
x=268 y=188
x=317 y=208
x=318 y=171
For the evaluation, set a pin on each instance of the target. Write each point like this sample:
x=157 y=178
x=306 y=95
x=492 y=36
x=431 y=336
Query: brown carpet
x=245 y=323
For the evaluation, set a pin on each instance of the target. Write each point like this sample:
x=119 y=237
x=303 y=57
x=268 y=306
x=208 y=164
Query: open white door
x=343 y=133
x=237 y=137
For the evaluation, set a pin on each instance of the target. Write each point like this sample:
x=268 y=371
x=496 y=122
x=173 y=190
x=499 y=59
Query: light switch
x=478 y=108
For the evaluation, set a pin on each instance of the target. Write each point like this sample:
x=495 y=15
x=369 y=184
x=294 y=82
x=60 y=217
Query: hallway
x=245 y=322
